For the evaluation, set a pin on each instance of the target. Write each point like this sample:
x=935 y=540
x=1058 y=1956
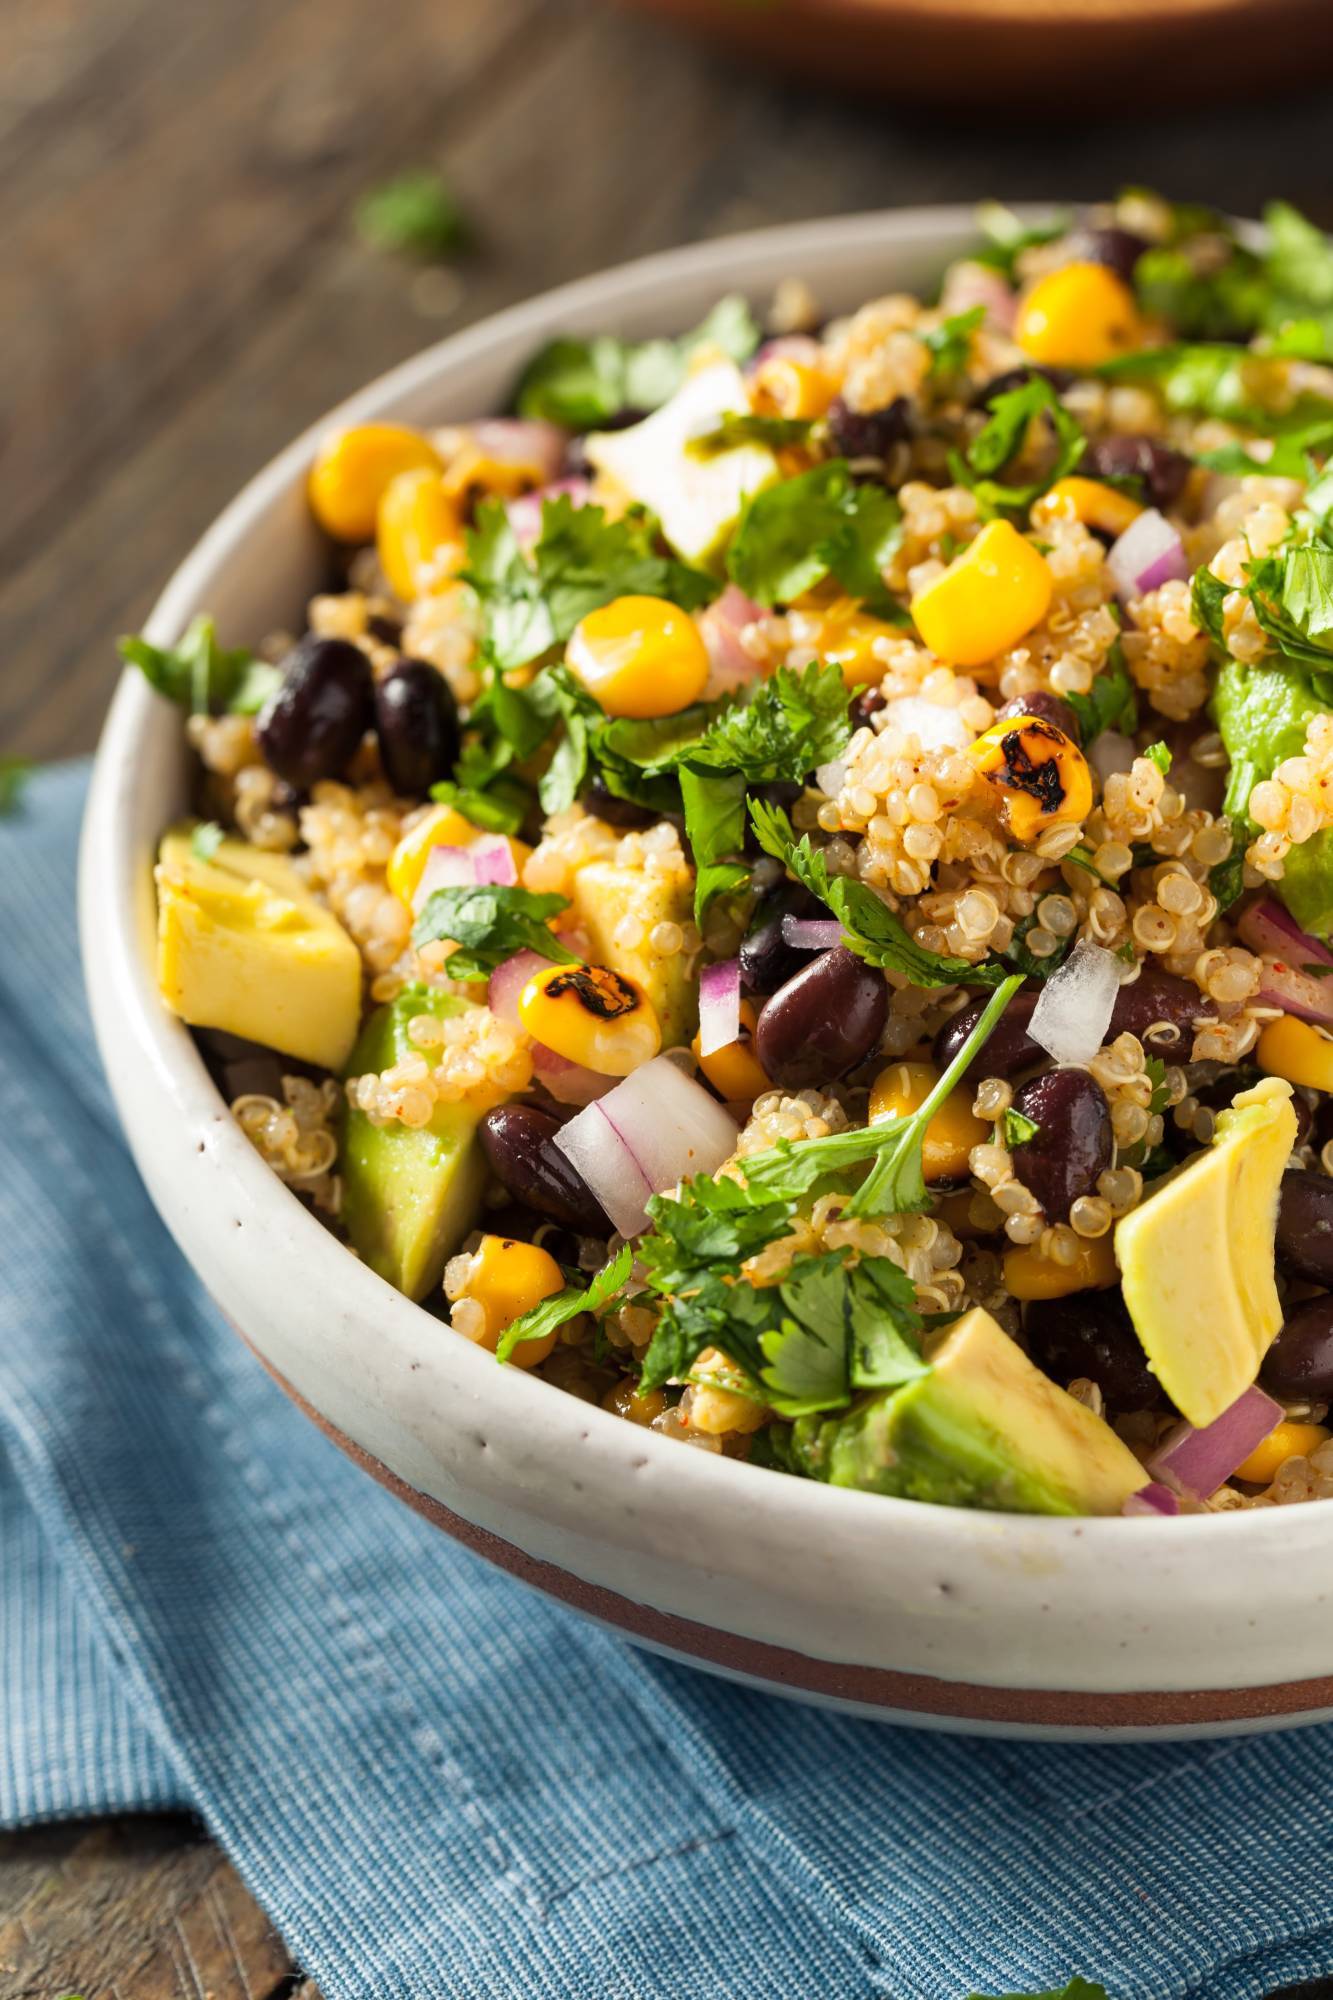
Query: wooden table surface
x=181 y=291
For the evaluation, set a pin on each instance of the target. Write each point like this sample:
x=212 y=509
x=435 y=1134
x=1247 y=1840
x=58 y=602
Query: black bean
x=1300 y=1361
x=1010 y=1048
x=1160 y=470
x=388 y=630
x=1072 y=1144
x=1158 y=996
x=602 y=803
x=416 y=719
x=311 y=727
x=767 y=960
x=1047 y=708
x=869 y=702
x=516 y=1139
x=782 y=794
x=519 y=1222
x=1018 y=378
x=1119 y=249
x=823 y=1021
x=1090 y=1334
x=868 y=433
x=1305 y=1226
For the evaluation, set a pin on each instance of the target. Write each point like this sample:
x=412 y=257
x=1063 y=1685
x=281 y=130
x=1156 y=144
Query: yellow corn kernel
x=591 y=1015
x=352 y=470
x=951 y=1134
x=472 y=474
x=1090 y=501
x=1039 y=778
x=639 y=657
x=418 y=534
x=782 y=387
x=715 y=1409
x=507 y=1279
x=626 y=1401
x=1078 y=317
x=847 y=636
x=988 y=597
x=734 y=1069
x=1029 y=1275
x=1289 y=1440
x=1294 y=1049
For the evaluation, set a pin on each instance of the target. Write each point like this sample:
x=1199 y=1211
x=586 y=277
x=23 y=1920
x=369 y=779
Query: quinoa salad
x=786 y=885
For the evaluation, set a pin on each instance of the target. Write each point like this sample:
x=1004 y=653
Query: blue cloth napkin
x=439 y=1784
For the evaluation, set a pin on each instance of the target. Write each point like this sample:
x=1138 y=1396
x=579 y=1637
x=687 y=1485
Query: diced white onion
x=656 y=1128
x=934 y=725
x=1073 y=1011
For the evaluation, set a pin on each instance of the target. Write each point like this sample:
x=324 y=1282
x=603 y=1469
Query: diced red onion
x=1269 y=928
x=523 y=441
x=655 y=1128
x=569 y=1082
x=1286 y=950
x=1073 y=1010
x=720 y=627
x=967 y=285
x=525 y=513
x=446 y=868
x=1197 y=1462
x=719 y=1005
x=1148 y=554
x=1296 y=992
x=811 y=933
x=935 y=725
x=493 y=860
x=507 y=982
x=802 y=347
x=1154 y=1499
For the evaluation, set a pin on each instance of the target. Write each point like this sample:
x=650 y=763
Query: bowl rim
x=109 y=880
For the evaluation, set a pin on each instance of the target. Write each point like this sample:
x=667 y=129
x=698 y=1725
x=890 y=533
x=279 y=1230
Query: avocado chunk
x=1263 y=713
x=1196 y=1258
x=982 y=1428
x=604 y=894
x=410 y=1194
x=243 y=944
x=697 y=498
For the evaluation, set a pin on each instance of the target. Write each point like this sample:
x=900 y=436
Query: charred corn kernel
x=639 y=657
x=990 y=595
x=713 y=1407
x=1090 y=501
x=1289 y=1440
x=734 y=1069
x=1038 y=777
x=783 y=387
x=591 y=1015
x=1294 y=1049
x=472 y=474
x=418 y=534
x=1029 y=1275
x=1078 y=317
x=846 y=638
x=507 y=1279
x=951 y=1134
x=352 y=470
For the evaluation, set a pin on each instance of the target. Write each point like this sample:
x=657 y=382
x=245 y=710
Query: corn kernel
x=988 y=597
x=1090 y=501
x=1029 y=1275
x=783 y=387
x=1039 y=778
x=846 y=639
x=734 y=1070
x=1295 y=1050
x=639 y=657
x=507 y=1279
x=472 y=474
x=592 y=1016
x=443 y=826
x=352 y=470
x=418 y=535
x=713 y=1407
x=951 y=1133
x=1289 y=1440
x=1078 y=317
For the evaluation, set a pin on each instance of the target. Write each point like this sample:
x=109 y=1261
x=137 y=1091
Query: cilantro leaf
x=581 y=561
x=1158 y=754
x=870 y=928
x=1226 y=880
x=415 y=214
x=14 y=775
x=1018 y=1129
x=1288 y=458
x=206 y=839
x=950 y=343
x=1111 y=702
x=1291 y=592
x=584 y=383
x=489 y=922
x=746 y=427
x=1219 y=380
x=805 y=1352
x=202 y=676
x=500 y=810
x=1017 y=954
x=821 y=523
x=885 y=1325
x=550 y=1313
x=1155 y=1069
x=1012 y=413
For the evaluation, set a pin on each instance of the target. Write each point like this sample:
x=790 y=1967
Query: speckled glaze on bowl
x=919 y=1614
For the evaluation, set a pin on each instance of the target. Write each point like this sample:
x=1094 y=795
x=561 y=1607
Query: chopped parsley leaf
x=202 y=676
x=1012 y=413
x=1158 y=754
x=489 y=922
x=584 y=383
x=821 y=523
x=416 y=214
x=547 y=1314
x=950 y=343
x=1018 y=1129
x=1111 y=702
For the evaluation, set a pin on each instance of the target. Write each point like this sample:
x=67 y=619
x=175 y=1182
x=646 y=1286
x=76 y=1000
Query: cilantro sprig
x=584 y=383
x=1012 y=414
x=489 y=923
x=550 y=1313
x=1110 y=703
x=821 y=523
x=950 y=343
x=200 y=675
x=869 y=927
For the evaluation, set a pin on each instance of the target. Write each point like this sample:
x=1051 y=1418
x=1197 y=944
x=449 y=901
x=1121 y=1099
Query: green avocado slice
x=983 y=1428
x=410 y=1196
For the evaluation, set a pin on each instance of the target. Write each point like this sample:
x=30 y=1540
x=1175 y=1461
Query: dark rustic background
x=181 y=291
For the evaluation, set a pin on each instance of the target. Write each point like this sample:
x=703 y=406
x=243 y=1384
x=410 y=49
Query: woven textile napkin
x=439 y=1784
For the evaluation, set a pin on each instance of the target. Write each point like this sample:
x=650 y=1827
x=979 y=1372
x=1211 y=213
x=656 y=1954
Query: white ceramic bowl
x=922 y=1614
